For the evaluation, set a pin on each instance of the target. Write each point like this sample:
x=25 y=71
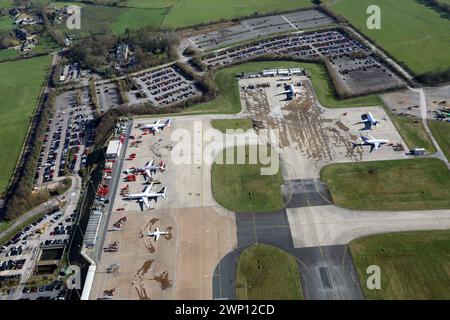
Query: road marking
x=292 y=25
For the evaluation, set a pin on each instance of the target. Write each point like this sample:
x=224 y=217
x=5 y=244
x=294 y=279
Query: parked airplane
x=147 y=194
x=369 y=120
x=291 y=92
x=158 y=126
x=157 y=233
x=149 y=169
x=374 y=143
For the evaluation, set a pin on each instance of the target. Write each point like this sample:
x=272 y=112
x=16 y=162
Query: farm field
x=136 y=18
x=6 y=54
x=242 y=187
x=441 y=132
x=6 y=23
x=95 y=19
x=267 y=273
x=414 y=265
x=20 y=85
x=228 y=99
x=416 y=184
x=185 y=13
x=6 y=3
x=421 y=40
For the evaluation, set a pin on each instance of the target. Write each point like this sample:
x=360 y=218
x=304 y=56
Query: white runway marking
x=292 y=25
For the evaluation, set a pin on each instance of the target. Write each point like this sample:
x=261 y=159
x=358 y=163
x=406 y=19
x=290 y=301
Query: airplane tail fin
x=163 y=193
x=162 y=166
x=168 y=122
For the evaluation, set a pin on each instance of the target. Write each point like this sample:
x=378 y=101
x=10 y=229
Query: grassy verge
x=414 y=265
x=233 y=124
x=441 y=132
x=241 y=187
x=228 y=100
x=413 y=132
x=400 y=184
x=267 y=273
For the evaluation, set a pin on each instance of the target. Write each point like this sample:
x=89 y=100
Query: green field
x=410 y=31
x=267 y=273
x=191 y=12
x=228 y=100
x=6 y=3
x=6 y=54
x=20 y=85
x=441 y=132
x=416 y=184
x=6 y=24
x=234 y=124
x=241 y=187
x=414 y=265
x=95 y=19
x=413 y=132
x=135 y=18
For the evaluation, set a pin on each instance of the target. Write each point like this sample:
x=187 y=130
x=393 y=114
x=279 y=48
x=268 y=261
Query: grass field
x=6 y=3
x=421 y=40
x=191 y=12
x=414 y=265
x=234 y=124
x=20 y=85
x=416 y=184
x=136 y=18
x=95 y=20
x=6 y=54
x=6 y=24
x=228 y=99
x=267 y=273
x=241 y=187
x=441 y=132
x=413 y=132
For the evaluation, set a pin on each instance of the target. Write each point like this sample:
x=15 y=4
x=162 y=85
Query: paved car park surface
x=250 y=29
x=108 y=96
x=163 y=87
x=70 y=128
x=355 y=67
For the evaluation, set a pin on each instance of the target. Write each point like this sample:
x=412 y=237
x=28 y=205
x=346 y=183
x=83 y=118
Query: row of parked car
x=12 y=264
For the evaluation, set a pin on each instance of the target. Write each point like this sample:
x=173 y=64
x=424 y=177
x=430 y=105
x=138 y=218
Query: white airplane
x=291 y=92
x=157 y=233
x=158 y=126
x=369 y=120
x=147 y=194
x=374 y=143
x=149 y=169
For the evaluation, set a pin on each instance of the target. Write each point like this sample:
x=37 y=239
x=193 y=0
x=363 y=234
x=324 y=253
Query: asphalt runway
x=301 y=193
x=326 y=272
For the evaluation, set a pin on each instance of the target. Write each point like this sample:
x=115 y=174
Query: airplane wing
x=377 y=145
x=145 y=200
x=148 y=173
x=157 y=236
x=372 y=138
x=145 y=189
x=147 y=164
